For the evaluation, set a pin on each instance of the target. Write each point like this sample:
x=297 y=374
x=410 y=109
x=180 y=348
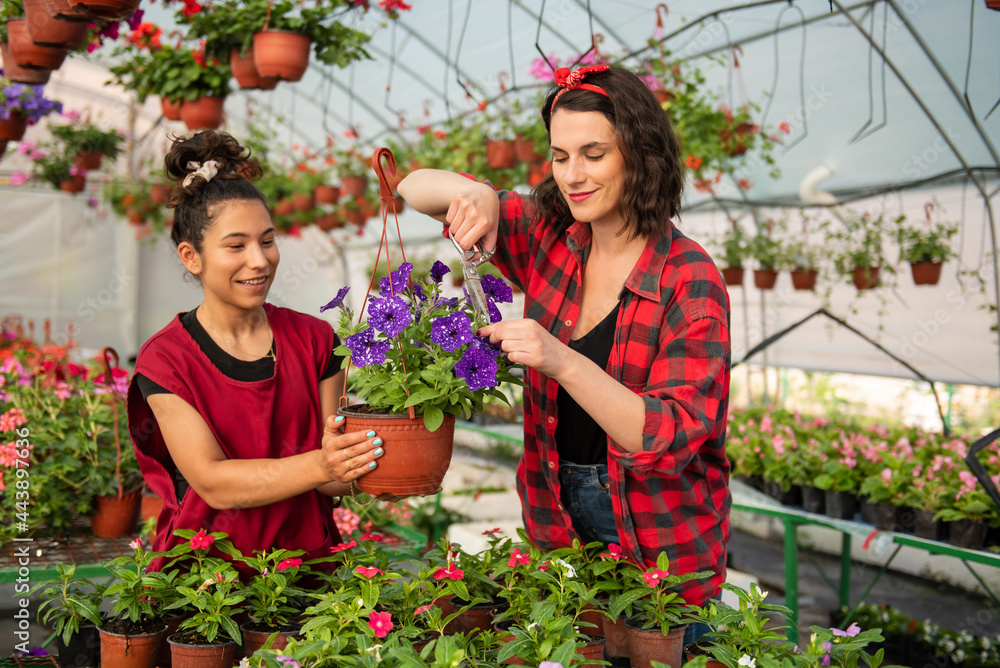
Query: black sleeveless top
x=579 y=439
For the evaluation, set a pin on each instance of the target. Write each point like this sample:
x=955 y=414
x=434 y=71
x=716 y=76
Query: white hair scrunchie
x=206 y=171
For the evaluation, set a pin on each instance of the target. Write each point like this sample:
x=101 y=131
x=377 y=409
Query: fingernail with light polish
x=377 y=441
x=370 y=434
x=378 y=452
x=371 y=465
x=339 y=418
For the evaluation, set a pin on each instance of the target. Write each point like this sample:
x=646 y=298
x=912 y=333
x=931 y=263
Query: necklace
x=270 y=350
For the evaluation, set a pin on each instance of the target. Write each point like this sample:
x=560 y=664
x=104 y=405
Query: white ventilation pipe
x=807 y=189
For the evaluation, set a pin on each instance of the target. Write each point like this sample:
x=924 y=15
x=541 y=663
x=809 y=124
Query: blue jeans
x=587 y=498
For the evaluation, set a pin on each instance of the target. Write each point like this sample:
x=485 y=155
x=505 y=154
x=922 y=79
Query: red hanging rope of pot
x=106 y=353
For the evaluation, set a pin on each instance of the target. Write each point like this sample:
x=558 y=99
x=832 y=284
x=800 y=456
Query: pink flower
x=490 y=532
x=887 y=475
x=285 y=564
x=422 y=609
x=851 y=631
x=24 y=147
x=12 y=419
x=452 y=572
x=381 y=623
x=135 y=544
x=341 y=547
x=653 y=576
x=369 y=571
x=71 y=114
x=540 y=69
x=785 y=127
x=372 y=537
x=76 y=171
x=765 y=425
x=518 y=558
x=201 y=540
x=17 y=178
x=614 y=552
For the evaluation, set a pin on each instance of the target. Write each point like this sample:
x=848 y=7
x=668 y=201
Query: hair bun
x=232 y=159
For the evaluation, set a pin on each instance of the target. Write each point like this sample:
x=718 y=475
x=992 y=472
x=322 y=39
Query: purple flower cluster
x=396 y=281
x=365 y=350
x=389 y=315
x=439 y=270
x=497 y=289
x=478 y=368
x=452 y=331
x=28 y=100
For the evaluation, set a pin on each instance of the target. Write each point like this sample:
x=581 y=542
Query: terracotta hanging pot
x=62 y=9
x=500 y=154
x=303 y=202
x=804 y=279
x=88 y=160
x=12 y=129
x=925 y=273
x=865 y=278
x=203 y=113
x=415 y=459
x=131 y=651
x=183 y=655
x=733 y=276
x=47 y=30
x=537 y=172
x=106 y=9
x=19 y=74
x=325 y=194
x=171 y=110
x=28 y=54
x=993 y=4
x=764 y=279
x=353 y=185
x=246 y=74
x=116 y=517
x=648 y=645
x=159 y=193
x=254 y=640
x=524 y=150
x=328 y=222
x=281 y=54
x=284 y=207
x=75 y=184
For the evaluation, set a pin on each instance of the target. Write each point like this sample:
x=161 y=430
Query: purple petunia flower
x=338 y=301
x=134 y=20
x=495 y=315
x=418 y=292
x=477 y=368
x=483 y=343
x=439 y=270
x=390 y=315
x=365 y=350
x=497 y=289
x=451 y=331
x=395 y=282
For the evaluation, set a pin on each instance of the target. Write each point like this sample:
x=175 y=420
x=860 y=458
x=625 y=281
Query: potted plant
x=418 y=365
x=802 y=261
x=734 y=248
x=926 y=246
x=531 y=140
x=22 y=105
x=768 y=253
x=71 y=605
x=50 y=163
x=210 y=634
x=859 y=249
x=268 y=594
x=88 y=141
x=469 y=586
x=656 y=614
x=48 y=30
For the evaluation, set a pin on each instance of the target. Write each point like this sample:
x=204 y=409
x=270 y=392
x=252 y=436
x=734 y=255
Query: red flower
x=350 y=133
x=381 y=623
x=423 y=608
x=693 y=162
x=481 y=105
x=190 y=7
x=369 y=571
x=653 y=576
x=544 y=567
x=343 y=546
x=745 y=184
x=490 y=532
x=201 y=540
x=452 y=572
x=785 y=127
x=285 y=564
x=373 y=537
x=614 y=552
x=518 y=558
x=391 y=6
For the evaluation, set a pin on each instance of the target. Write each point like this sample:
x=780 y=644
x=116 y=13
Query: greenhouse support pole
x=792 y=577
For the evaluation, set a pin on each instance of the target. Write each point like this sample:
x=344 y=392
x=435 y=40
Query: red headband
x=572 y=80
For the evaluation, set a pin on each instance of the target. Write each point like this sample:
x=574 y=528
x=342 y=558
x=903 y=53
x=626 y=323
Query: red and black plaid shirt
x=672 y=348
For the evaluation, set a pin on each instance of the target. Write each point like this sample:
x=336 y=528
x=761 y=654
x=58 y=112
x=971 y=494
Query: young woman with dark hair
x=625 y=337
x=232 y=405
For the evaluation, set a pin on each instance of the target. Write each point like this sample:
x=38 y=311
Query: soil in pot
x=185 y=653
x=840 y=505
x=813 y=500
x=648 y=645
x=83 y=650
x=255 y=636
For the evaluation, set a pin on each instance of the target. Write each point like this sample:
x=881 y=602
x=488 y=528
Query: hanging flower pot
x=62 y=9
x=203 y=113
x=804 y=279
x=734 y=140
x=89 y=160
x=328 y=222
x=325 y=194
x=500 y=154
x=75 y=184
x=865 y=278
x=284 y=207
x=993 y=4
x=303 y=202
x=353 y=185
x=106 y=9
x=131 y=651
x=116 y=517
x=28 y=54
x=281 y=54
x=415 y=459
x=537 y=172
x=183 y=655
x=47 y=30
x=732 y=275
x=246 y=74
x=171 y=110
x=648 y=645
x=764 y=279
x=524 y=150
x=12 y=129
x=254 y=640
x=926 y=273
x=159 y=193
x=19 y=74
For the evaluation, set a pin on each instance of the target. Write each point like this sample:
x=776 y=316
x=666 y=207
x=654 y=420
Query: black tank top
x=579 y=439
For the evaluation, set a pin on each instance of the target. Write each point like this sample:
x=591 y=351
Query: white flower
x=374 y=649
x=245 y=662
x=747 y=661
x=570 y=571
x=360 y=603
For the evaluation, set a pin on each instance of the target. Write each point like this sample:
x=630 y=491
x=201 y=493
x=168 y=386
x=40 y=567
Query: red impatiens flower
x=369 y=571
x=614 y=552
x=381 y=623
x=785 y=127
x=490 y=532
x=653 y=576
x=191 y=7
x=373 y=537
x=394 y=6
x=693 y=162
x=285 y=564
x=201 y=540
x=340 y=547
x=518 y=558
x=452 y=572
x=423 y=608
